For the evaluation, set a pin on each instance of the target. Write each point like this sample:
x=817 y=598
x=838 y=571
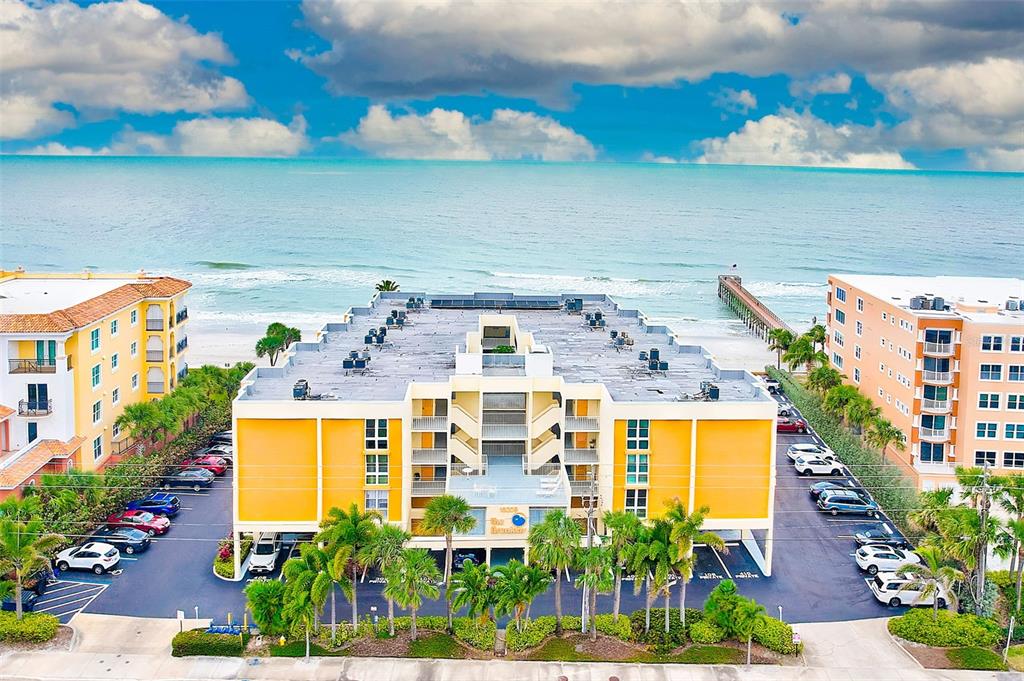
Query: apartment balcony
x=155 y=388
x=181 y=345
x=493 y=431
x=582 y=424
x=35 y=407
x=430 y=424
x=428 y=488
x=47 y=365
x=429 y=457
x=582 y=488
x=937 y=377
x=181 y=315
x=154 y=325
x=934 y=434
x=154 y=355
x=580 y=456
x=936 y=406
x=503 y=365
x=938 y=349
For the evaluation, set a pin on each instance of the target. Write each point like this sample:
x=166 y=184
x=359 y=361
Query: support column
x=237 y=538
x=487 y=556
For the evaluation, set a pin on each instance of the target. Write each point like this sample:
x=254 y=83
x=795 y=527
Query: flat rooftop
x=971 y=291
x=44 y=295
x=424 y=352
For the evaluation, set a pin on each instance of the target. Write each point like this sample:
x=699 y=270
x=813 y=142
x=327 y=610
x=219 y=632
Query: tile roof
x=83 y=314
x=5 y=411
x=27 y=464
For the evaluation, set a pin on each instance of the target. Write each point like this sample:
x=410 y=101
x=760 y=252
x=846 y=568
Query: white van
x=265 y=552
x=896 y=590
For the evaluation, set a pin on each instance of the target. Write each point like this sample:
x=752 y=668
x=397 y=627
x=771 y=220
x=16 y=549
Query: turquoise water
x=308 y=237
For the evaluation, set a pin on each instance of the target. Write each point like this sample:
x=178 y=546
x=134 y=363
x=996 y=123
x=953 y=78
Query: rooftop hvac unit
x=917 y=302
x=1013 y=305
x=300 y=391
x=938 y=303
x=713 y=393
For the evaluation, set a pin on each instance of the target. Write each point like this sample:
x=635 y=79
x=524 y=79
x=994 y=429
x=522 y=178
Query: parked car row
x=200 y=470
x=882 y=553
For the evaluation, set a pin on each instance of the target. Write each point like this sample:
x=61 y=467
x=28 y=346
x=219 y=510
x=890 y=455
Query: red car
x=140 y=520
x=791 y=425
x=214 y=464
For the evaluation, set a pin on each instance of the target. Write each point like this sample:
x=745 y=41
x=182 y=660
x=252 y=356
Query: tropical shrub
x=224 y=561
x=622 y=629
x=534 y=632
x=706 y=632
x=720 y=607
x=473 y=632
x=198 y=642
x=656 y=636
x=776 y=635
x=33 y=627
x=947 y=630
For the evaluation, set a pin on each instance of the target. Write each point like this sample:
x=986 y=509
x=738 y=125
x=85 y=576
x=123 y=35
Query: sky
x=901 y=84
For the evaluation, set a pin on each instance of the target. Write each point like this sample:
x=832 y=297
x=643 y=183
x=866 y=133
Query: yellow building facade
x=75 y=350
x=520 y=405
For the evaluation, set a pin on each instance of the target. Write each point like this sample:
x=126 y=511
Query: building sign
x=507 y=520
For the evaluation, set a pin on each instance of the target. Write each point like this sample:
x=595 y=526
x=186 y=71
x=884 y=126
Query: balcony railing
x=581 y=488
x=430 y=424
x=35 y=407
x=154 y=387
x=154 y=325
x=429 y=457
x=47 y=365
x=937 y=376
x=936 y=406
x=580 y=456
x=154 y=355
x=934 y=434
x=575 y=424
x=938 y=348
x=181 y=316
x=182 y=344
x=427 y=488
x=504 y=432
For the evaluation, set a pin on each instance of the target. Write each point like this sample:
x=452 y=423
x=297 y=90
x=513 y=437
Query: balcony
x=181 y=345
x=429 y=457
x=154 y=355
x=430 y=424
x=578 y=424
x=938 y=349
x=582 y=488
x=501 y=431
x=427 y=488
x=502 y=364
x=155 y=388
x=35 y=407
x=936 y=406
x=934 y=434
x=580 y=456
x=181 y=316
x=937 y=377
x=47 y=365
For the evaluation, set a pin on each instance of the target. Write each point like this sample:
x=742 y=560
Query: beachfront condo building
x=943 y=358
x=75 y=349
x=518 y=404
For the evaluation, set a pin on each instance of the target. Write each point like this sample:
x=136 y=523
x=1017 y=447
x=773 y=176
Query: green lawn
x=560 y=650
x=1016 y=657
x=437 y=646
x=298 y=649
x=697 y=654
x=975 y=658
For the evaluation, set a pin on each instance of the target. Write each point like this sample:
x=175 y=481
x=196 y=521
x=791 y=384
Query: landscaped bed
x=946 y=640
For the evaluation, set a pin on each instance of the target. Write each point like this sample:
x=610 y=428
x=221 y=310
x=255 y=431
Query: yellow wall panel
x=619 y=470
x=344 y=466
x=395 y=469
x=734 y=464
x=276 y=461
x=669 y=465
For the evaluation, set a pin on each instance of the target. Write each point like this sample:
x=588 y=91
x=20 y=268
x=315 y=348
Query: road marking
x=127 y=558
x=64 y=605
x=721 y=562
x=855 y=521
x=73 y=612
x=88 y=590
x=71 y=585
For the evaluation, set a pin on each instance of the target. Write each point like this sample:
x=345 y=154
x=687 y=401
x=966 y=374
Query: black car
x=817 y=488
x=193 y=478
x=881 y=534
x=126 y=539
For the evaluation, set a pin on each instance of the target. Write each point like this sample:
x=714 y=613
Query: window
x=991 y=372
x=1016 y=343
x=838 y=338
x=932 y=452
x=97 y=447
x=856 y=351
x=986 y=430
x=636 y=469
x=94 y=340
x=988 y=400
x=840 y=294
x=881 y=367
x=376 y=469
x=934 y=392
x=856 y=375
x=837 y=359
x=840 y=317
x=860 y=328
x=134 y=349
x=135 y=381
x=884 y=316
x=881 y=393
x=636 y=502
x=97 y=411
x=115 y=395
x=33 y=431
x=933 y=422
x=1015 y=402
x=377 y=500
x=860 y=304
x=376 y=433
x=638 y=432
x=115 y=431
x=992 y=343
x=1013 y=459
x=113 y=327
x=135 y=317
x=1015 y=372
x=114 y=358
x=96 y=376
x=1014 y=431
x=881 y=341
x=984 y=457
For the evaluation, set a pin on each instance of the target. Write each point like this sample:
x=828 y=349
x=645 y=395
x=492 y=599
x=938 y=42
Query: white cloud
x=448 y=134
x=733 y=101
x=648 y=157
x=998 y=159
x=789 y=138
x=834 y=84
x=58 y=149
x=101 y=59
x=219 y=137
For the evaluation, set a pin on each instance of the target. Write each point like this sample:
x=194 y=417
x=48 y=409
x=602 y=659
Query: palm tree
x=817 y=334
x=932 y=576
x=881 y=433
x=932 y=504
x=1010 y=497
x=554 y=543
x=265 y=599
x=639 y=565
x=141 y=420
x=289 y=334
x=779 y=340
x=387 y=285
x=447 y=515
x=838 y=398
x=409 y=579
x=687 y=530
x=861 y=411
x=354 y=529
x=309 y=573
x=823 y=378
x=747 y=615
x=515 y=588
x=299 y=610
x=270 y=346
x=1016 y=528
x=473 y=588
x=803 y=352
x=597 y=576
x=625 y=527
x=338 y=558
x=970 y=480
x=385 y=546
x=661 y=557
x=25 y=545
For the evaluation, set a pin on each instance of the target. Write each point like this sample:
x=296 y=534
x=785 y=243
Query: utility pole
x=984 y=503
x=591 y=509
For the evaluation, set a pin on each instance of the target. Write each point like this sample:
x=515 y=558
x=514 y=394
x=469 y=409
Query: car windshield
x=144 y=517
x=264 y=548
x=111 y=553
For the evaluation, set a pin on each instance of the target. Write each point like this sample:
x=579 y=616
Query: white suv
x=265 y=552
x=95 y=556
x=813 y=465
x=877 y=559
x=896 y=590
x=808 y=449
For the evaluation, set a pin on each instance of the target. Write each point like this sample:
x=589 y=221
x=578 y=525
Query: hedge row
x=198 y=642
x=471 y=631
x=776 y=635
x=656 y=635
x=946 y=630
x=887 y=484
x=34 y=627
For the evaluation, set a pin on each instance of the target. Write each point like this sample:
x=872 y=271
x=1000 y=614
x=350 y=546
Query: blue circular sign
x=518 y=520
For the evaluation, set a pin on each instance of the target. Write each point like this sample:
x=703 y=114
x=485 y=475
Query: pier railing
x=758 y=317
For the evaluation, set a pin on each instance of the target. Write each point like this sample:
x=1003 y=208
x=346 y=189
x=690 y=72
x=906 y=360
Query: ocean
x=301 y=240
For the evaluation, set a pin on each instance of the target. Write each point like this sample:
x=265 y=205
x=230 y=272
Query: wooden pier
x=755 y=314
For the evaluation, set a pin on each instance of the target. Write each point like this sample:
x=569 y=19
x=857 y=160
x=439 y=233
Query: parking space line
x=721 y=562
x=62 y=601
x=64 y=605
x=127 y=558
x=71 y=585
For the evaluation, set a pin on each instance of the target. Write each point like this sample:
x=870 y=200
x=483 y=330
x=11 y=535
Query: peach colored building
x=943 y=357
